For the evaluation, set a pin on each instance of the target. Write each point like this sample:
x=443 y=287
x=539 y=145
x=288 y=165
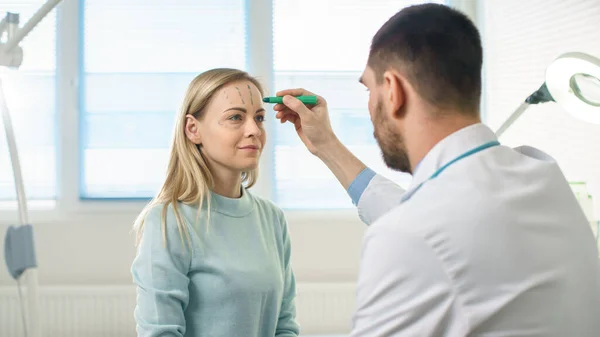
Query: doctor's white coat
x=496 y=245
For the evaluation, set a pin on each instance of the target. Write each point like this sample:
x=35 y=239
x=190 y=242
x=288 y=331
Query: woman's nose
x=252 y=128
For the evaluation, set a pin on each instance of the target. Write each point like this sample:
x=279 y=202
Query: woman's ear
x=192 y=129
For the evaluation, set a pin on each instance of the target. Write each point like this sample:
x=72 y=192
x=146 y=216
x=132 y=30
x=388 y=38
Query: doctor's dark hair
x=439 y=51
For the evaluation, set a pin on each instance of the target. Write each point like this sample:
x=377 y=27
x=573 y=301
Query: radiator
x=98 y=311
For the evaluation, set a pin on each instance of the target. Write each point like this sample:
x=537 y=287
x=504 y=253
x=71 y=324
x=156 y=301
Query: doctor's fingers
x=295 y=111
x=287 y=115
x=284 y=111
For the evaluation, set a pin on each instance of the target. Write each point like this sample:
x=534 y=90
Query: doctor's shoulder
x=534 y=153
x=432 y=206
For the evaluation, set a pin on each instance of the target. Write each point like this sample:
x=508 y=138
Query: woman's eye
x=236 y=118
x=260 y=118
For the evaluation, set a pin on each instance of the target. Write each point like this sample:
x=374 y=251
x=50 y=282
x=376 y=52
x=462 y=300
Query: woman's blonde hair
x=188 y=179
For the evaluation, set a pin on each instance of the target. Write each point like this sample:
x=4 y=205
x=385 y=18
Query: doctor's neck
x=427 y=129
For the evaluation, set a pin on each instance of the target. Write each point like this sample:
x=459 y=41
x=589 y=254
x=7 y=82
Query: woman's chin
x=249 y=165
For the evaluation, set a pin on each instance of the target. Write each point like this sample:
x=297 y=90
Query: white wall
x=98 y=248
x=522 y=38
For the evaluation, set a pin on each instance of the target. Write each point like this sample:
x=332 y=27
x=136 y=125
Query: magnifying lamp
x=572 y=81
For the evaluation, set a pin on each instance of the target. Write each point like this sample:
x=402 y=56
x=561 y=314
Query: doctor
x=487 y=240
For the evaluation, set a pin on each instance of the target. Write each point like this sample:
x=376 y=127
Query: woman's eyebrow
x=242 y=109
x=238 y=108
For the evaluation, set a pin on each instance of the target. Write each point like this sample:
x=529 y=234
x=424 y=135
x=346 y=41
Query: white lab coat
x=496 y=245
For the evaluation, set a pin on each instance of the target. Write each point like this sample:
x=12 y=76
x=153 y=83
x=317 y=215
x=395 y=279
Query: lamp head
x=573 y=81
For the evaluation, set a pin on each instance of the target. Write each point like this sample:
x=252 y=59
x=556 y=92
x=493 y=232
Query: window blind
x=326 y=56
x=139 y=57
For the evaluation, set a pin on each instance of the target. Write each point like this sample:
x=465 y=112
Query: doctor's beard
x=391 y=143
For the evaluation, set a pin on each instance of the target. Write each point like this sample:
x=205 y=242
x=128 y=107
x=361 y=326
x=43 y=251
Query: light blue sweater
x=236 y=280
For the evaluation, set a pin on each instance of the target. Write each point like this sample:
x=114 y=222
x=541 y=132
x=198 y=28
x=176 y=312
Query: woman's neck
x=228 y=184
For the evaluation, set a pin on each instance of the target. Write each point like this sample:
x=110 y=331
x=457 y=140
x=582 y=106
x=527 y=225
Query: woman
x=213 y=259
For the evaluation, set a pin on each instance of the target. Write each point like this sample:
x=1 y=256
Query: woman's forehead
x=238 y=93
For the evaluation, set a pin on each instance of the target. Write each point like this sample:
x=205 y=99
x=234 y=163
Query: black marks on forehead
x=227 y=96
x=240 y=93
x=251 y=98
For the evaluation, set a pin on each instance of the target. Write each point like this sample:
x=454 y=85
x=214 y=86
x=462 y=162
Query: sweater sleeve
x=160 y=274
x=286 y=324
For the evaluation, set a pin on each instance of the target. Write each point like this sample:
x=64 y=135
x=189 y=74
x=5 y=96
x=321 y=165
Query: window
x=30 y=95
x=326 y=58
x=136 y=58
x=518 y=46
x=139 y=57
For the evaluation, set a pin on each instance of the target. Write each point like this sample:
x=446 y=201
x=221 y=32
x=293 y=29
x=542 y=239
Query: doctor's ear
x=394 y=91
x=192 y=130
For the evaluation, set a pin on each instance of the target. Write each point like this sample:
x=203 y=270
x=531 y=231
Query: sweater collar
x=234 y=207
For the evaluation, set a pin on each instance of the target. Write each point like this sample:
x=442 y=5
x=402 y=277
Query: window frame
x=69 y=74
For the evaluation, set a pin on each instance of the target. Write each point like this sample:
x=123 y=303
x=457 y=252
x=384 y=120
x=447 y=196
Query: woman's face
x=231 y=132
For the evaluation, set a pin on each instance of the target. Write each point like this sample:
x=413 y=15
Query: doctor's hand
x=311 y=121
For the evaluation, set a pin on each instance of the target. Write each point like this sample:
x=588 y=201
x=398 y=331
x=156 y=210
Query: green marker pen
x=303 y=99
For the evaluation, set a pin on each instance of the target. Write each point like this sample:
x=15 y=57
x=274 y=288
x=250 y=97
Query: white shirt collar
x=451 y=147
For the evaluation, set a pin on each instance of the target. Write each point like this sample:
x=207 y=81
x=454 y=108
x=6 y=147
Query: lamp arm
x=515 y=115
x=541 y=95
x=35 y=19
x=21 y=240
x=14 y=158
x=26 y=261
